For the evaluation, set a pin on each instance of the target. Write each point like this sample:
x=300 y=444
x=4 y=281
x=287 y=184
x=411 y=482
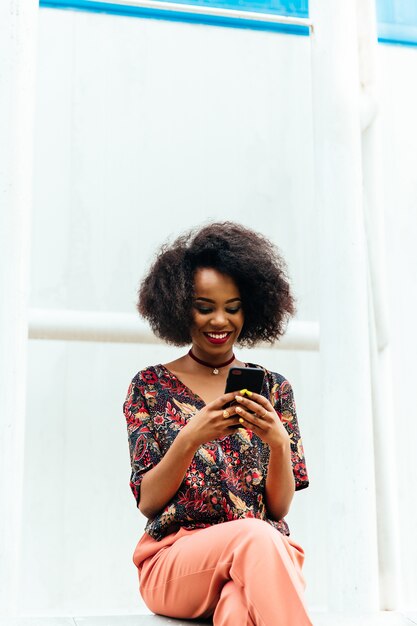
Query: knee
x=254 y=545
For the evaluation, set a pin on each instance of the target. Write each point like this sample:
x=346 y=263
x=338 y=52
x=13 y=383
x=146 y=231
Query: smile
x=218 y=337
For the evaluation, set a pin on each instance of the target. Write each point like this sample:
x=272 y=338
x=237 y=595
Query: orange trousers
x=243 y=573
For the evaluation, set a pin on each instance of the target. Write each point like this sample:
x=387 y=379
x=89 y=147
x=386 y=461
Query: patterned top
x=226 y=478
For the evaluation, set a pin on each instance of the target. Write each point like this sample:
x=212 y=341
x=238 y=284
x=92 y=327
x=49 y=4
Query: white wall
x=143 y=129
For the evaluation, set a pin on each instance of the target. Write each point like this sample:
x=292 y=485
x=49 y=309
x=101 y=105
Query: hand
x=259 y=415
x=213 y=421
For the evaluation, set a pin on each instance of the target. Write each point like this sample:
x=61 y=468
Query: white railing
x=71 y=325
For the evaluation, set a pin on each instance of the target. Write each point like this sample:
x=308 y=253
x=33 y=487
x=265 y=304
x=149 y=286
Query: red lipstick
x=217 y=338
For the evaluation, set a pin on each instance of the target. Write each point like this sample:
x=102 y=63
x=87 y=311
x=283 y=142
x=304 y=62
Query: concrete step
x=386 y=618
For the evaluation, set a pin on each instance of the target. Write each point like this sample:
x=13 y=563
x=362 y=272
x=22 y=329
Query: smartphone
x=250 y=378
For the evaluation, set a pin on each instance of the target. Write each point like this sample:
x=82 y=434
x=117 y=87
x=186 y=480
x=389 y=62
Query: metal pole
x=383 y=415
x=346 y=417
x=18 y=28
x=71 y=325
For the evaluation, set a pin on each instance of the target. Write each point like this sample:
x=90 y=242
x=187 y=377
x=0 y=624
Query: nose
x=219 y=319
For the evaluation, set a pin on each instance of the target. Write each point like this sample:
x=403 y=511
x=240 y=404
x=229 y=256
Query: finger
x=250 y=418
x=250 y=425
x=224 y=399
x=250 y=405
x=234 y=426
x=229 y=411
x=256 y=397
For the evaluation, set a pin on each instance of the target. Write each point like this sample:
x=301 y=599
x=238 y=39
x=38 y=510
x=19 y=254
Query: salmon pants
x=243 y=573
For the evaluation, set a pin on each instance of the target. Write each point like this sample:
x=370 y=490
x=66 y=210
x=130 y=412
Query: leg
x=232 y=607
x=186 y=579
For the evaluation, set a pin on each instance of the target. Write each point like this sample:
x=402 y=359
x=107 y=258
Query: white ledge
x=71 y=325
x=382 y=618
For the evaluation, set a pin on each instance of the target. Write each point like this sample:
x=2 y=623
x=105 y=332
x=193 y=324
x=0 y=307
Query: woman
x=215 y=481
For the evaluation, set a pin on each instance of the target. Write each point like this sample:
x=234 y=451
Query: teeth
x=217 y=335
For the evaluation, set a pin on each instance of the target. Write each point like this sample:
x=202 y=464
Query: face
x=217 y=314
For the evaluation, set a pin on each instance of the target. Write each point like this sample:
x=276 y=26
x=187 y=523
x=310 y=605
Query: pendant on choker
x=215 y=369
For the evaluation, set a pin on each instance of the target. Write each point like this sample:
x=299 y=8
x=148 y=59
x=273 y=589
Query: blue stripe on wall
x=214 y=20
x=297 y=8
x=397 y=19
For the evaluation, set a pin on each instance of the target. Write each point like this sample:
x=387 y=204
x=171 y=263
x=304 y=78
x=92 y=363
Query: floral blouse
x=226 y=478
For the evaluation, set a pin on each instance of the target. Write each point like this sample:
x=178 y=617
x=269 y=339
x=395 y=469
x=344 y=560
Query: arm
x=277 y=425
x=156 y=478
x=284 y=403
x=161 y=483
x=280 y=486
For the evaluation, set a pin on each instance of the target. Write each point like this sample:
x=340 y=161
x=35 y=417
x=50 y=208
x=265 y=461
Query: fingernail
x=243 y=391
x=240 y=420
x=248 y=393
x=239 y=398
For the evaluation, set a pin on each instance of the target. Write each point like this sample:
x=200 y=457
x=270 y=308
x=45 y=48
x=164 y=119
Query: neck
x=213 y=359
x=213 y=367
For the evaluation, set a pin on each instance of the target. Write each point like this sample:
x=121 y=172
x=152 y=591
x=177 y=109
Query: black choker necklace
x=215 y=368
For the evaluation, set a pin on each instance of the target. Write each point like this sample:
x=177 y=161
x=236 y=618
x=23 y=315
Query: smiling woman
x=217 y=312
x=215 y=484
x=167 y=295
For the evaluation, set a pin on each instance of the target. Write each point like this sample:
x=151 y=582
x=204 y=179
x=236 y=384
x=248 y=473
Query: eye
x=234 y=310
x=202 y=309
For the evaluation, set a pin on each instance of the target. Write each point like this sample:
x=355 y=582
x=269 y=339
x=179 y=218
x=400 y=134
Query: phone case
x=251 y=378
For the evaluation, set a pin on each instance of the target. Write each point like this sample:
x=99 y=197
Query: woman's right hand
x=213 y=421
x=161 y=482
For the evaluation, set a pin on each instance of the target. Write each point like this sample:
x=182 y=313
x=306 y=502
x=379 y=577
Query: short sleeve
x=285 y=407
x=144 y=449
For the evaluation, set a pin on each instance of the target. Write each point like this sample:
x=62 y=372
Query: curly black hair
x=254 y=263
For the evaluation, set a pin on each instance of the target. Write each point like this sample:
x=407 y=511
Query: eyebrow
x=213 y=302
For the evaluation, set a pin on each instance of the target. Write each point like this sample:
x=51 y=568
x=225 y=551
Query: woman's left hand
x=259 y=415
